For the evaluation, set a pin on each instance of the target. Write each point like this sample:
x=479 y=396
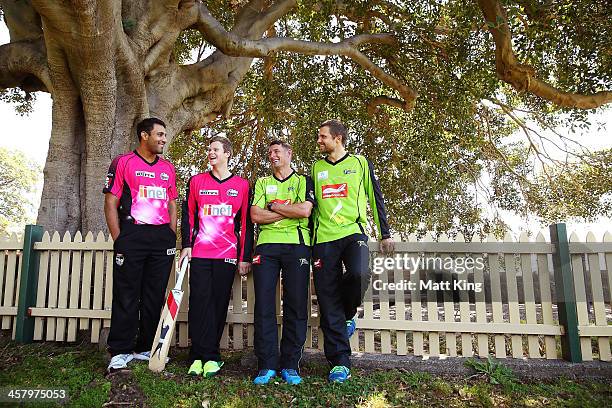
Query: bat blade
x=165 y=331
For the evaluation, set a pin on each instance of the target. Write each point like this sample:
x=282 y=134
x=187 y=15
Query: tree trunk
x=99 y=95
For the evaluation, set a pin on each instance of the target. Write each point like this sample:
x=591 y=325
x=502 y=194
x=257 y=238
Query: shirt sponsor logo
x=318 y=263
x=209 y=192
x=334 y=190
x=164 y=176
x=217 y=210
x=232 y=193
x=271 y=189
x=257 y=259
x=231 y=260
x=158 y=193
x=147 y=174
x=322 y=175
x=350 y=171
x=171 y=251
x=281 y=202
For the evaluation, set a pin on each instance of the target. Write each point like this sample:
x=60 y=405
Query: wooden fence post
x=565 y=294
x=24 y=327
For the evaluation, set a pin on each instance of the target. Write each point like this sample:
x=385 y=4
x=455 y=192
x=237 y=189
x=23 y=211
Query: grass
x=492 y=371
x=80 y=369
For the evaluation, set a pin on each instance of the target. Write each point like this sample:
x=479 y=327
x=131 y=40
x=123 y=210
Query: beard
x=325 y=149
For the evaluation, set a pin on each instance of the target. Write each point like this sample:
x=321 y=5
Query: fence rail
x=520 y=312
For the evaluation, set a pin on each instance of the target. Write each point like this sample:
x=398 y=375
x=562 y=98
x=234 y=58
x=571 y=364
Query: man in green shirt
x=344 y=184
x=281 y=206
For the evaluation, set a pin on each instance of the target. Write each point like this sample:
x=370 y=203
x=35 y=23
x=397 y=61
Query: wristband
x=270 y=206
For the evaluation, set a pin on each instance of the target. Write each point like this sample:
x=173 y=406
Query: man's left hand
x=387 y=245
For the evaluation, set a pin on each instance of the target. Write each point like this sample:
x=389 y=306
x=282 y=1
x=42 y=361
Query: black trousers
x=339 y=294
x=294 y=261
x=210 y=287
x=142 y=264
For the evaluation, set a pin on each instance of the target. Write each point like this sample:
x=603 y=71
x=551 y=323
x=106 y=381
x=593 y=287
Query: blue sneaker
x=291 y=376
x=350 y=327
x=264 y=377
x=339 y=374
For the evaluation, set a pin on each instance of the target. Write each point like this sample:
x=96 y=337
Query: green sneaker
x=196 y=368
x=211 y=368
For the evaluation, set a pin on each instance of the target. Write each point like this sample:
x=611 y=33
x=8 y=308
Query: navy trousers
x=340 y=290
x=294 y=261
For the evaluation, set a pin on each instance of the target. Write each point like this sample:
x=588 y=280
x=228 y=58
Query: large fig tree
x=429 y=86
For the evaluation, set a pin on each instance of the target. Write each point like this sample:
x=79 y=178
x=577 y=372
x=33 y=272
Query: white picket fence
x=514 y=316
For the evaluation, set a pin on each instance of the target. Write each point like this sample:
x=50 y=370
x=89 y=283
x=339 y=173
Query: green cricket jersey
x=342 y=190
x=296 y=188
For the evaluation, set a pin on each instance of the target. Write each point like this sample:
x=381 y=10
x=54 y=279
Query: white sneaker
x=145 y=356
x=119 y=361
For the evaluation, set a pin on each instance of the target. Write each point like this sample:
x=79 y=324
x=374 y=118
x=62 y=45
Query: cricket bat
x=165 y=328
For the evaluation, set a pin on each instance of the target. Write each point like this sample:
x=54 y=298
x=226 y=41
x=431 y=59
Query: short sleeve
x=259 y=196
x=309 y=193
x=114 y=177
x=172 y=192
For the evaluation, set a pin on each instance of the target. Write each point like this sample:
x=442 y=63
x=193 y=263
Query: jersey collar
x=220 y=181
x=334 y=163
x=285 y=179
x=145 y=160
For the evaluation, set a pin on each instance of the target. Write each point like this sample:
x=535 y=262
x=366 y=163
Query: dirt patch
x=125 y=391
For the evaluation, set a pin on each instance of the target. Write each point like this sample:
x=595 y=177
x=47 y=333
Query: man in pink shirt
x=140 y=209
x=217 y=235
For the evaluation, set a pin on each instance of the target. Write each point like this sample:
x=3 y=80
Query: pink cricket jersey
x=144 y=189
x=216 y=221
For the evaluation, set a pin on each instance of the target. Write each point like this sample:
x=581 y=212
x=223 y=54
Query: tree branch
x=522 y=77
x=248 y=14
x=233 y=45
x=24 y=64
x=272 y=14
x=22 y=20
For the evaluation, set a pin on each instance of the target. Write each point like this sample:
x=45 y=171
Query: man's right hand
x=185 y=253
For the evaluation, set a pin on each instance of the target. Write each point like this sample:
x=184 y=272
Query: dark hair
x=227 y=145
x=336 y=128
x=280 y=143
x=146 y=125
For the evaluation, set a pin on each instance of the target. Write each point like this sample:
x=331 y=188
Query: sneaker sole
x=340 y=381
x=293 y=382
x=211 y=374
